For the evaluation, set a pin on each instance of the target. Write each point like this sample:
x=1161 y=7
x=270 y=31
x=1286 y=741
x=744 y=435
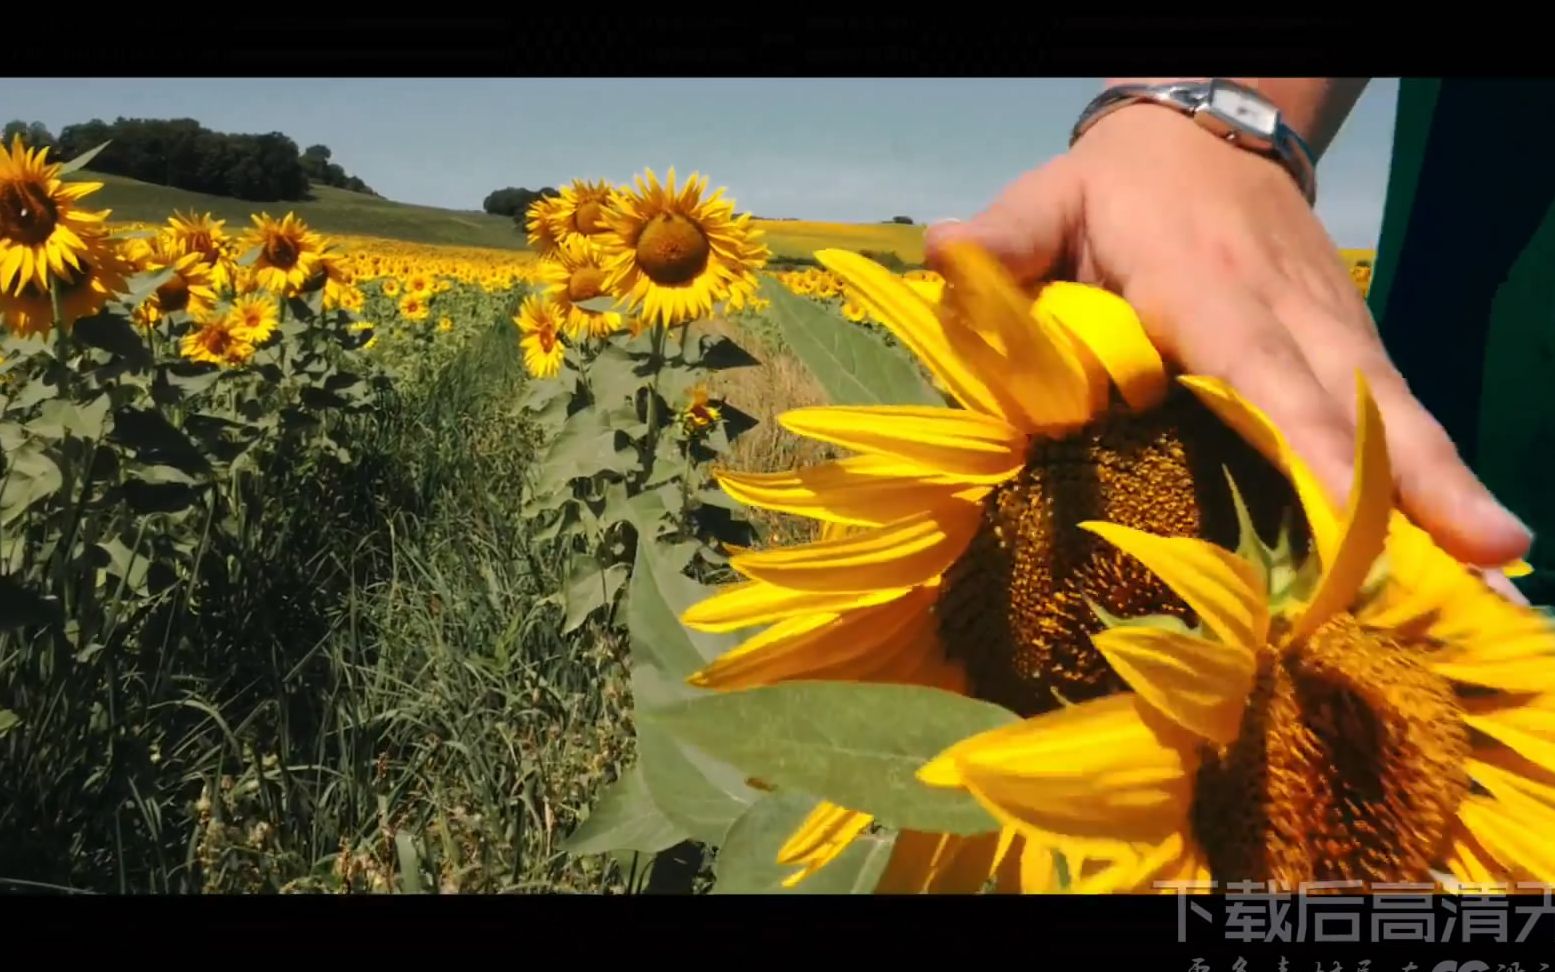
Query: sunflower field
x=631 y=564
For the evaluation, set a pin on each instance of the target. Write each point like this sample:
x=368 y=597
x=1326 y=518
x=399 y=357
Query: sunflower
x=289 y=252
x=332 y=274
x=672 y=254
x=43 y=233
x=413 y=307
x=579 y=210
x=699 y=412
x=191 y=286
x=445 y=324
x=951 y=561
x=253 y=318
x=540 y=322
x=852 y=310
x=539 y=224
x=743 y=297
x=204 y=235
x=391 y=288
x=97 y=275
x=1372 y=713
x=420 y=282
x=574 y=274
x=216 y=341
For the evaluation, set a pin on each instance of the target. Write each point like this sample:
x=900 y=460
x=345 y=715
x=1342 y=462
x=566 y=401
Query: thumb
x=1028 y=228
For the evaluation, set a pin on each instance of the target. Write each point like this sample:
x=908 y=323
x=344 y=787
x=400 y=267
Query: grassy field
x=801 y=238
x=334 y=211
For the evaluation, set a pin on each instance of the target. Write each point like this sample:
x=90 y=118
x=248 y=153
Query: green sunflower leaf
x=625 y=818
x=857 y=745
x=658 y=594
x=584 y=447
x=614 y=375
x=747 y=860
x=590 y=587
x=80 y=161
x=853 y=366
x=699 y=793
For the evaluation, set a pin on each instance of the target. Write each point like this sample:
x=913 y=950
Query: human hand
x=1234 y=277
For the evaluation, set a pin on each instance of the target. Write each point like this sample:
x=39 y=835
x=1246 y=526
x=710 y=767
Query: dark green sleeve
x=1464 y=287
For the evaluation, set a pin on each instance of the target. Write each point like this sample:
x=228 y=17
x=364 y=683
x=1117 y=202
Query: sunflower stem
x=657 y=359
x=62 y=344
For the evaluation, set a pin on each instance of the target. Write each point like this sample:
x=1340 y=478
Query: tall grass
x=373 y=697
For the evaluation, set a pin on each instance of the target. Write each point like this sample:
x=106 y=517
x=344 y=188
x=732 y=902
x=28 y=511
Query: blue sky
x=840 y=149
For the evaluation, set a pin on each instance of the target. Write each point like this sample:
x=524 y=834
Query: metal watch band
x=1192 y=98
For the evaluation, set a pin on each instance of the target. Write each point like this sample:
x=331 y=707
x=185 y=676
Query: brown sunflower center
x=672 y=249
x=281 y=251
x=216 y=339
x=27 y=214
x=1350 y=766
x=586 y=283
x=316 y=280
x=547 y=338
x=1013 y=608
x=199 y=241
x=588 y=219
x=173 y=295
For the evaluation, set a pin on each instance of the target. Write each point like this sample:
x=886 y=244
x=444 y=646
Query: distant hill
x=330 y=210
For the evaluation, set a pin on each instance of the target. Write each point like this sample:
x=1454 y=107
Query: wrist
x=1313 y=108
x=1223 y=108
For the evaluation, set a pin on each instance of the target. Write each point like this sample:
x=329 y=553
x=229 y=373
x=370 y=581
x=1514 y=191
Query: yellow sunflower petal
x=1528 y=731
x=1517 y=568
x=1469 y=862
x=1222 y=588
x=1046 y=380
x=1136 y=872
x=908 y=552
x=952 y=442
x=930 y=863
x=803 y=646
x=1262 y=434
x=1501 y=770
x=1514 y=650
x=1201 y=685
x=915 y=657
x=825 y=834
x=861 y=490
x=1422 y=579
x=1097 y=769
x=1038 y=869
x=1107 y=326
x=1515 y=834
x=750 y=603
x=1366 y=520
x=887 y=299
x=1190 y=868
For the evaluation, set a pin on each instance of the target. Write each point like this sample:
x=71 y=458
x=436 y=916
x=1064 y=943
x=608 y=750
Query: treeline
x=182 y=153
x=514 y=201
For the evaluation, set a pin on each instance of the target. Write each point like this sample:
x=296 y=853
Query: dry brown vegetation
x=781 y=382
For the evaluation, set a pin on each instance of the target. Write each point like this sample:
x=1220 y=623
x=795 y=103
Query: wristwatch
x=1229 y=110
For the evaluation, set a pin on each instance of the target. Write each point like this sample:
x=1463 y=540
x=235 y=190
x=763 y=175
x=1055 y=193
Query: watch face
x=1246 y=111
